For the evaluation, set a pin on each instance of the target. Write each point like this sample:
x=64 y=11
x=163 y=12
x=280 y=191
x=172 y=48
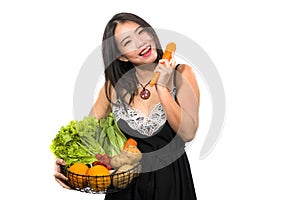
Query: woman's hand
x=59 y=177
x=166 y=70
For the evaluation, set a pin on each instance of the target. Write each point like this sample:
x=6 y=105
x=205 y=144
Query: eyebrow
x=136 y=30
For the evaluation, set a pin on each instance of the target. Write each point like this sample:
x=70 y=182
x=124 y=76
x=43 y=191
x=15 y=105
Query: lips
x=146 y=51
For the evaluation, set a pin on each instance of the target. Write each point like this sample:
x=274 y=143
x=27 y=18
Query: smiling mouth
x=145 y=51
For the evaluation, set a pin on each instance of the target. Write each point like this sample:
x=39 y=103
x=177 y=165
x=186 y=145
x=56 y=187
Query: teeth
x=145 y=51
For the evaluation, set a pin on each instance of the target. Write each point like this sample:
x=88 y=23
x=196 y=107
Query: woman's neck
x=144 y=73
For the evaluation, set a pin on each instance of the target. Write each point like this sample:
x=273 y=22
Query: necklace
x=145 y=93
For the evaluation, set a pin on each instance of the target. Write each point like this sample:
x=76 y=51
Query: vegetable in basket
x=67 y=145
x=111 y=138
x=125 y=174
x=81 y=141
x=130 y=141
x=129 y=156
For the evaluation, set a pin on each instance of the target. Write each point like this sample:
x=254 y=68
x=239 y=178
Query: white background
x=254 y=44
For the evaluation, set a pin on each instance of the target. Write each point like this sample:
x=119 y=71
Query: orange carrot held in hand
x=130 y=141
x=171 y=47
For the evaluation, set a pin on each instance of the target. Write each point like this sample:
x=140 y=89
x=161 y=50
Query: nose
x=139 y=42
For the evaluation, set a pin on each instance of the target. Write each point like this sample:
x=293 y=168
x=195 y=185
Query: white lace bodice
x=145 y=125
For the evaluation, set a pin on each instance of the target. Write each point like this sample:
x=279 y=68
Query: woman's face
x=135 y=43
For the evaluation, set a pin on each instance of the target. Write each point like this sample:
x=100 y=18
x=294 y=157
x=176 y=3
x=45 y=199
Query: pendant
x=145 y=94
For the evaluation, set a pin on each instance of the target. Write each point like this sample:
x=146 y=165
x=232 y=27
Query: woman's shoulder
x=187 y=79
x=186 y=71
x=102 y=105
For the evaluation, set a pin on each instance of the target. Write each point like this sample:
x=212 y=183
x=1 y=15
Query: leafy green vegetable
x=80 y=141
x=111 y=138
x=88 y=130
x=68 y=146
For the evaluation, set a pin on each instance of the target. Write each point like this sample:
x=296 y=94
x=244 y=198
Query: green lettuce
x=67 y=145
x=111 y=138
x=80 y=141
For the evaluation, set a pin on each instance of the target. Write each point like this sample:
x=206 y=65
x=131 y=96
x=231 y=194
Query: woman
x=161 y=118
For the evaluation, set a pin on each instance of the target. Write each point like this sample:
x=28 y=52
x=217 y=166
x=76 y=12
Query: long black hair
x=116 y=69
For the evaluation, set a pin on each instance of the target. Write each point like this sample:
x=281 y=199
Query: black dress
x=166 y=173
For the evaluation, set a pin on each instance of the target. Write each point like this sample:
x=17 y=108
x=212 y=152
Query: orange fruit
x=99 y=178
x=78 y=177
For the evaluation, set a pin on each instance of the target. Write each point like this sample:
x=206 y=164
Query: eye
x=141 y=31
x=126 y=43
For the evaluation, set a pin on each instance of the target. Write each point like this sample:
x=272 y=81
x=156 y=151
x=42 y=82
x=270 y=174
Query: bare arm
x=183 y=114
x=102 y=107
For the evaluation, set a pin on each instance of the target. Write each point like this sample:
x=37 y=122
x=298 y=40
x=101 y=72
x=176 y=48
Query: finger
x=58 y=175
x=167 y=64
x=62 y=184
x=163 y=62
x=57 y=168
x=173 y=62
x=158 y=68
x=60 y=161
x=163 y=69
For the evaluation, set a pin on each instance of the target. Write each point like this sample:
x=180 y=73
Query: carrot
x=130 y=141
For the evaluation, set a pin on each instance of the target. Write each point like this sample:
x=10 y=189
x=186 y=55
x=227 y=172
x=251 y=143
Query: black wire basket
x=114 y=182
